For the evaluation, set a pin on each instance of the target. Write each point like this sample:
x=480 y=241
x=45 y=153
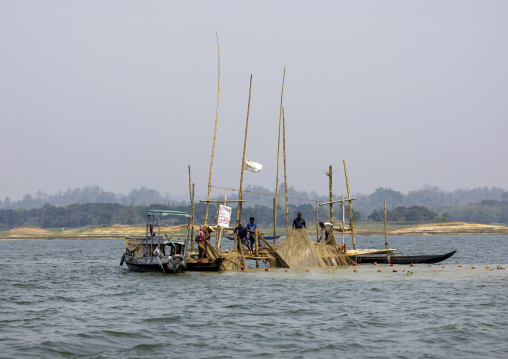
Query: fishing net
x=232 y=260
x=134 y=245
x=298 y=250
x=331 y=252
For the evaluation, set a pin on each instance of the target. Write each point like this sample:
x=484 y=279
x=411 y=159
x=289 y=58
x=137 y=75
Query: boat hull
x=166 y=265
x=401 y=259
x=205 y=266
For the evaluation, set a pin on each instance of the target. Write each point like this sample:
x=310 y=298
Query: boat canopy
x=161 y=212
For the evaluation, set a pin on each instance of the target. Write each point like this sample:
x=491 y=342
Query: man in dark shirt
x=241 y=231
x=299 y=222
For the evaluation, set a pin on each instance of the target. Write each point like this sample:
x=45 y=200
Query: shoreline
x=367 y=229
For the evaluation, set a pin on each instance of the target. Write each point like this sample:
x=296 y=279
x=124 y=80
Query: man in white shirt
x=326 y=229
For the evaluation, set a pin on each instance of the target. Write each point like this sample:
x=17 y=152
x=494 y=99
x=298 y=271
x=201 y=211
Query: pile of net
x=232 y=260
x=298 y=251
x=134 y=245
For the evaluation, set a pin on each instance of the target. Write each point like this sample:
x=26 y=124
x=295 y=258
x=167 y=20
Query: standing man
x=326 y=229
x=299 y=222
x=203 y=237
x=241 y=232
x=251 y=229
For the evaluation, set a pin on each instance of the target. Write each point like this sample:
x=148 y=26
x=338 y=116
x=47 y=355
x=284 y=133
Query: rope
x=263 y=194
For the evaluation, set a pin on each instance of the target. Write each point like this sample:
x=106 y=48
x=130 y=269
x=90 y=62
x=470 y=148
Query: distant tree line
x=413 y=214
x=487 y=211
x=106 y=214
x=459 y=204
x=89 y=194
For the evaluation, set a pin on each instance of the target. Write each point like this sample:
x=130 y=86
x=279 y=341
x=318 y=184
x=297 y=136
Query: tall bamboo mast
x=214 y=132
x=191 y=201
x=285 y=179
x=278 y=156
x=330 y=173
x=192 y=214
x=386 y=238
x=239 y=213
x=317 y=220
x=350 y=208
x=343 y=223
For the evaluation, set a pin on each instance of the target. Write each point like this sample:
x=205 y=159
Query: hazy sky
x=122 y=94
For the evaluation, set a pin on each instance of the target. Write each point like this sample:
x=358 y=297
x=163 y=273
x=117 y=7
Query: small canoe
x=402 y=259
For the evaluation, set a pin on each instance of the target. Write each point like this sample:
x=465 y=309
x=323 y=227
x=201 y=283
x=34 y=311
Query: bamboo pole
x=239 y=213
x=219 y=228
x=338 y=201
x=285 y=179
x=350 y=207
x=317 y=220
x=214 y=132
x=257 y=246
x=343 y=222
x=192 y=215
x=222 y=201
x=278 y=156
x=330 y=173
x=190 y=195
x=386 y=239
x=274 y=216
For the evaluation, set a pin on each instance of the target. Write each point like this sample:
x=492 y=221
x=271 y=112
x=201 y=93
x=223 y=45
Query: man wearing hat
x=203 y=237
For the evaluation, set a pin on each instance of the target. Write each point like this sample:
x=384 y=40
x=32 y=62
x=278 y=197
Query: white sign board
x=224 y=216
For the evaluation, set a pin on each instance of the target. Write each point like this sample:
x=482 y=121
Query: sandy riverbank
x=120 y=231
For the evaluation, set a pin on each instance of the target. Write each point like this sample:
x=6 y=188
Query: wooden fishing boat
x=156 y=252
x=194 y=265
x=402 y=259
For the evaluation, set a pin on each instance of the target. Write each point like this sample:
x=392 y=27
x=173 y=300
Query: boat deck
x=361 y=252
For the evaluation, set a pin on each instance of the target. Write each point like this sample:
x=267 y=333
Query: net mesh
x=134 y=245
x=299 y=251
x=232 y=260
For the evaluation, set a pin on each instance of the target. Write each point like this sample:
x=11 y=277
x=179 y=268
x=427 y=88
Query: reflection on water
x=71 y=299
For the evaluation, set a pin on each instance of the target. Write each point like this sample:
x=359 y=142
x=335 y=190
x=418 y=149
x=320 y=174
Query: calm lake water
x=71 y=299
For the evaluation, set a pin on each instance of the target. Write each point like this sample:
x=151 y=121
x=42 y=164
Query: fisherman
x=251 y=229
x=299 y=222
x=203 y=237
x=326 y=229
x=241 y=232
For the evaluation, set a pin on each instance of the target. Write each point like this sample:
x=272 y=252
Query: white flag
x=253 y=166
